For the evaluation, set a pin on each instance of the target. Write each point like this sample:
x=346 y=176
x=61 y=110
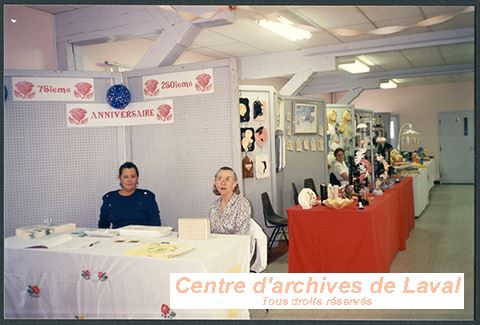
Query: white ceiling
x=246 y=38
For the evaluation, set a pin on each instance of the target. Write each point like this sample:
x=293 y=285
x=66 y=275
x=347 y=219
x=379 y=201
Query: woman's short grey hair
x=236 y=190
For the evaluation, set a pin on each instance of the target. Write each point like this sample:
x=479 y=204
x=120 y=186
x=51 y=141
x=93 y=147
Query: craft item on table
x=160 y=250
x=378 y=188
x=262 y=166
x=320 y=144
x=247 y=167
x=259 y=110
x=40 y=231
x=298 y=145
x=289 y=116
x=290 y=145
x=246 y=135
x=145 y=231
x=337 y=203
x=395 y=157
x=244 y=109
x=313 y=145
x=194 y=228
x=306 y=144
x=307 y=198
x=102 y=233
x=261 y=136
x=118 y=96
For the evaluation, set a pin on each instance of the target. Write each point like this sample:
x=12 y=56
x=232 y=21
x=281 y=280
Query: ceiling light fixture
x=285 y=28
x=354 y=67
x=13 y=20
x=388 y=84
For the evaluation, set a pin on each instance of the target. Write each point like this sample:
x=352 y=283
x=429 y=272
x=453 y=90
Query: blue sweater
x=140 y=208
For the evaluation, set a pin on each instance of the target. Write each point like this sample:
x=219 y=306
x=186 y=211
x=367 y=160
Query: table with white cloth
x=101 y=282
x=423 y=182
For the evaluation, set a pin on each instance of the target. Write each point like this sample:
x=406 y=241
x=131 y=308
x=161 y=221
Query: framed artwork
x=305 y=119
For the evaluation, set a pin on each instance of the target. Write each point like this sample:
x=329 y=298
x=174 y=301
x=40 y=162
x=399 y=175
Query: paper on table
x=102 y=233
x=161 y=250
x=76 y=243
x=52 y=242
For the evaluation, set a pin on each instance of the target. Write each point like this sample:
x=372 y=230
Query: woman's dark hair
x=337 y=151
x=236 y=190
x=128 y=165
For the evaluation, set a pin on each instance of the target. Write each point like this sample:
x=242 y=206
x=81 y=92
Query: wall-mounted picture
x=244 y=110
x=247 y=136
x=305 y=119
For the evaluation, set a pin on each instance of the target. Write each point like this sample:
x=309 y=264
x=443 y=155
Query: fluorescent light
x=388 y=85
x=285 y=29
x=355 y=67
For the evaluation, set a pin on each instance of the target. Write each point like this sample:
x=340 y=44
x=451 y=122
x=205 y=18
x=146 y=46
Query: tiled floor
x=441 y=242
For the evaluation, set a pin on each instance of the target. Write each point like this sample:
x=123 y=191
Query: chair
x=334 y=180
x=295 y=193
x=273 y=220
x=308 y=183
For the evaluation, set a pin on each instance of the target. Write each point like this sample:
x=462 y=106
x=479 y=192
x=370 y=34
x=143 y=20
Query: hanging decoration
x=247 y=167
x=262 y=166
x=246 y=135
x=346 y=32
x=259 y=110
x=261 y=136
x=244 y=110
x=118 y=96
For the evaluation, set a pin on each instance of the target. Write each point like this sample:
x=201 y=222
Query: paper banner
x=178 y=84
x=139 y=113
x=53 y=89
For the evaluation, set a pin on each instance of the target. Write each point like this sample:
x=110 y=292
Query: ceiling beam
x=296 y=83
x=321 y=84
x=324 y=58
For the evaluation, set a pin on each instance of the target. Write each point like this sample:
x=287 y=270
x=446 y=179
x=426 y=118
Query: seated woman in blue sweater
x=129 y=205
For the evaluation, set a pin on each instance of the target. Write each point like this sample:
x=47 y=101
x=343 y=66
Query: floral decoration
x=203 y=82
x=86 y=274
x=33 y=291
x=24 y=89
x=102 y=276
x=77 y=116
x=83 y=90
x=151 y=88
x=167 y=312
x=164 y=112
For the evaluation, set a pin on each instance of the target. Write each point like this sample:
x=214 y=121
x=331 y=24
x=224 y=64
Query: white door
x=456 y=134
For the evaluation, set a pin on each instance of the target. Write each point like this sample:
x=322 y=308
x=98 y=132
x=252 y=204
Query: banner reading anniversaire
x=137 y=113
x=317 y=291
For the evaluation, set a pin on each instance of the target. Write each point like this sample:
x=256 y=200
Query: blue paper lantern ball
x=118 y=96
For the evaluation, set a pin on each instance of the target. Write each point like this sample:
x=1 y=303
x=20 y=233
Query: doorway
x=456 y=134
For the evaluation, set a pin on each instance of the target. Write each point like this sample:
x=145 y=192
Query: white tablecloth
x=131 y=287
x=422 y=184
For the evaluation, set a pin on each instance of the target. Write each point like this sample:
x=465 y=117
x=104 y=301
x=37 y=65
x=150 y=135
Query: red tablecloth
x=324 y=240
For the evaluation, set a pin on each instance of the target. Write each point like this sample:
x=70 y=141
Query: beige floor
x=441 y=242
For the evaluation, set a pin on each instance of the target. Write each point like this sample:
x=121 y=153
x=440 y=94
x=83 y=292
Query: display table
x=323 y=240
x=423 y=181
x=100 y=282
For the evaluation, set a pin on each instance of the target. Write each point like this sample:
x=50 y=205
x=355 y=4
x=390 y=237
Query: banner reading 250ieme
x=178 y=84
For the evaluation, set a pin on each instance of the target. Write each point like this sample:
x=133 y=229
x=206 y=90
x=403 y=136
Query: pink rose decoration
x=203 y=82
x=83 y=90
x=164 y=112
x=151 y=88
x=165 y=309
x=77 y=116
x=36 y=290
x=24 y=89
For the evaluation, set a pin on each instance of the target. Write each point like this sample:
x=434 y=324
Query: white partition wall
x=59 y=172
x=51 y=170
x=178 y=161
